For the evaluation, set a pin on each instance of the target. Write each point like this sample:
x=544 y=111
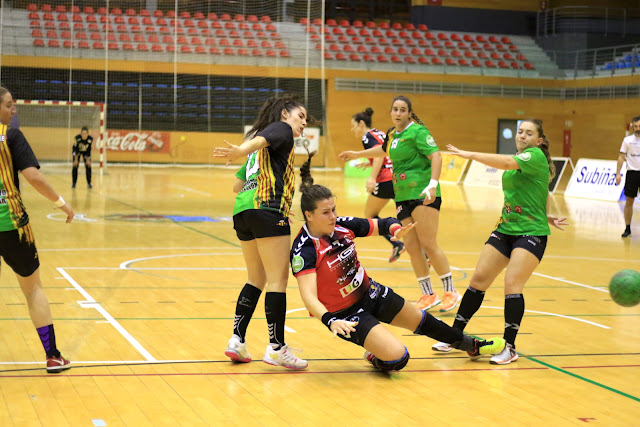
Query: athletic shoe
x=396 y=252
x=442 y=347
x=482 y=348
x=89 y=186
x=283 y=357
x=450 y=301
x=368 y=356
x=427 y=302
x=56 y=365
x=505 y=357
x=237 y=350
x=626 y=233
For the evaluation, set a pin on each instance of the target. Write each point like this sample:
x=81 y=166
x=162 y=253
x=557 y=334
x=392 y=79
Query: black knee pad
x=393 y=365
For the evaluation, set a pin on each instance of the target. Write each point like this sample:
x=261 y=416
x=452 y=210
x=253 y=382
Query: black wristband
x=384 y=225
x=328 y=318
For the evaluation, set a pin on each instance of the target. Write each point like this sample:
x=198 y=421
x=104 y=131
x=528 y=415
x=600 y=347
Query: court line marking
x=192 y=190
x=560 y=279
x=556 y=315
x=90 y=302
x=135 y=249
x=125 y=265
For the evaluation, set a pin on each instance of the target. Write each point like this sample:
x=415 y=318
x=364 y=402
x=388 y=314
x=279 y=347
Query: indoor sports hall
x=143 y=283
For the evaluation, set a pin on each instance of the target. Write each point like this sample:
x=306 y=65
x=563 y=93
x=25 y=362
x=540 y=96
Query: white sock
x=425 y=284
x=447 y=282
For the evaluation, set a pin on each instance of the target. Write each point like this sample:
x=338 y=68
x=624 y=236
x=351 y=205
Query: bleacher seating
x=231 y=33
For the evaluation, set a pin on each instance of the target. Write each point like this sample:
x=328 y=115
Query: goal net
x=51 y=127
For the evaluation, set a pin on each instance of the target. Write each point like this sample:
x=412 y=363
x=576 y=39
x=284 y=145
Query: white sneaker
x=506 y=356
x=442 y=347
x=237 y=351
x=283 y=357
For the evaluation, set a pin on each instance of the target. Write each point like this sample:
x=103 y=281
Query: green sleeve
x=242 y=173
x=425 y=142
x=532 y=162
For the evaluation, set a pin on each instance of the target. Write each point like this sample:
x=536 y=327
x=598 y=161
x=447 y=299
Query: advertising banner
x=596 y=179
x=453 y=168
x=134 y=141
x=480 y=175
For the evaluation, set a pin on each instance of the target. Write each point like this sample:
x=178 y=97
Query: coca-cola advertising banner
x=134 y=141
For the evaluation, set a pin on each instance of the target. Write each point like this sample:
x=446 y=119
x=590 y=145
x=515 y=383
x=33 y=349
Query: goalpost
x=50 y=127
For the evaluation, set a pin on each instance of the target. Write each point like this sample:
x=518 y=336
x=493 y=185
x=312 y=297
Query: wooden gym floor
x=143 y=305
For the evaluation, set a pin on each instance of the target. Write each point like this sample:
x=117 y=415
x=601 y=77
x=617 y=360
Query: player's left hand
x=430 y=195
x=402 y=231
x=230 y=152
x=557 y=222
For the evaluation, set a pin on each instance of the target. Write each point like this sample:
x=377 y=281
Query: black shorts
x=631 y=184
x=404 y=209
x=259 y=223
x=19 y=251
x=506 y=243
x=85 y=156
x=384 y=190
x=380 y=304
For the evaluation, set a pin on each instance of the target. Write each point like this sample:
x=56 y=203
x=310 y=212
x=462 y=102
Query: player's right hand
x=343 y=327
x=618 y=178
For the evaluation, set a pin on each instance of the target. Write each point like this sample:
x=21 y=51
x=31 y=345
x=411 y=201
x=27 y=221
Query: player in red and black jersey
x=379 y=184
x=336 y=289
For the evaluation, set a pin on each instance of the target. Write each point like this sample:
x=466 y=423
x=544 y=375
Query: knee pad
x=393 y=365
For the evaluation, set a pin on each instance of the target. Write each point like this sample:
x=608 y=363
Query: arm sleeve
x=74 y=150
x=303 y=257
x=532 y=162
x=369 y=141
x=277 y=134
x=361 y=227
x=624 y=148
x=21 y=151
x=242 y=172
x=89 y=143
x=425 y=142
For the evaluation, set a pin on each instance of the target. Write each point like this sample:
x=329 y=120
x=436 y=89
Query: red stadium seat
x=345 y=24
x=370 y=24
x=327 y=55
x=38 y=43
x=450 y=61
x=382 y=59
x=61 y=8
x=494 y=39
x=503 y=64
x=153 y=39
x=31 y=7
x=331 y=23
x=36 y=33
x=476 y=63
x=68 y=44
x=64 y=26
x=46 y=8
x=403 y=51
x=423 y=60
x=443 y=53
x=513 y=48
x=396 y=26
x=495 y=55
x=389 y=50
x=469 y=54
x=53 y=43
x=375 y=49
x=170 y=48
x=52 y=34
x=384 y=25
x=436 y=61
x=83 y=44
x=456 y=53
x=119 y=20
x=265 y=19
x=340 y=56
x=96 y=36
x=348 y=48
x=383 y=42
x=127 y=46
x=156 y=48
x=396 y=59
x=429 y=52
x=489 y=64
x=130 y=12
x=78 y=26
x=442 y=36
x=358 y=24
x=409 y=60
x=34 y=24
x=369 y=40
x=463 y=62
x=224 y=43
x=423 y=27
x=272 y=54
x=505 y=40
x=187 y=49
x=198 y=16
x=362 y=49
x=257 y=52
x=113 y=46
x=482 y=55
x=436 y=44
x=462 y=45
x=81 y=35
x=529 y=66
x=236 y=43
x=354 y=57
x=404 y=35
x=515 y=65
x=480 y=38
x=214 y=50
x=501 y=48
x=356 y=40
x=368 y=58
x=475 y=46
x=170 y=14
x=468 y=38
x=47 y=16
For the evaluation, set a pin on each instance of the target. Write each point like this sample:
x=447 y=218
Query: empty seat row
x=426 y=61
x=143 y=47
x=143 y=12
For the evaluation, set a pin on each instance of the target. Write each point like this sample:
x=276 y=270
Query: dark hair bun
x=368 y=111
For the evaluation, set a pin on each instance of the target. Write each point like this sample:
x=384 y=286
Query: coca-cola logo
x=137 y=141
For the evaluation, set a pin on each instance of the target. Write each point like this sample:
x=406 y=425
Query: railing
x=603 y=61
x=587 y=19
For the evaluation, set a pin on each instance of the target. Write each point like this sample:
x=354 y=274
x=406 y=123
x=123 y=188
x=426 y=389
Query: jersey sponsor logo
x=282 y=223
x=2 y=138
x=430 y=141
x=525 y=157
x=402 y=176
x=394 y=143
x=297 y=263
x=342 y=256
x=495 y=236
x=345 y=291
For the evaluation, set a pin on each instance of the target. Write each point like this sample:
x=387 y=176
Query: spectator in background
x=630 y=153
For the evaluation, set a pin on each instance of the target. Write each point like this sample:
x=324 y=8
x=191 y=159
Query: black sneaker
x=626 y=233
x=396 y=252
x=73 y=186
x=89 y=186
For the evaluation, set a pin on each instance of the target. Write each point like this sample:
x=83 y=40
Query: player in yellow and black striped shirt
x=17 y=243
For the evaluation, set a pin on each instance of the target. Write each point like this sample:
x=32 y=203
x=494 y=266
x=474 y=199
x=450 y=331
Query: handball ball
x=625 y=288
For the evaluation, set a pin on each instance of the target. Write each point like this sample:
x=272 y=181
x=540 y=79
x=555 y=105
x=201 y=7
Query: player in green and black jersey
x=520 y=237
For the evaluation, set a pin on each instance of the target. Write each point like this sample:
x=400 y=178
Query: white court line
x=135 y=249
x=560 y=279
x=92 y=303
x=557 y=315
x=125 y=265
x=113 y=362
x=185 y=188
